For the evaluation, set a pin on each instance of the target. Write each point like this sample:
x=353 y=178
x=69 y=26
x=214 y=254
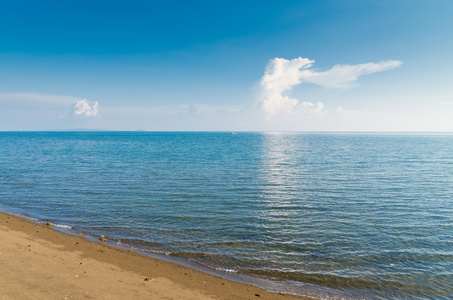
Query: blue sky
x=226 y=65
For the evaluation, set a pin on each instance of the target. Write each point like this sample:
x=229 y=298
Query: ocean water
x=337 y=215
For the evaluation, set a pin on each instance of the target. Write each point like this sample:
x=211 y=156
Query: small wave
x=162 y=252
x=193 y=254
x=138 y=243
x=29 y=218
x=226 y=270
x=62 y=226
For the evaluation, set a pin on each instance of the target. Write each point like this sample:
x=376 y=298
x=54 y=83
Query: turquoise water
x=356 y=215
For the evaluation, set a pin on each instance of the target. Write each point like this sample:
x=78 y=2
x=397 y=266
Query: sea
x=327 y=215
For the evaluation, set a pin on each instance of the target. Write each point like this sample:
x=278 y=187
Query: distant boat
x=232 y=132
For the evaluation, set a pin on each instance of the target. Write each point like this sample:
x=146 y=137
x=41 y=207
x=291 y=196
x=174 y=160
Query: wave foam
x=62 y=226
x=226 y=270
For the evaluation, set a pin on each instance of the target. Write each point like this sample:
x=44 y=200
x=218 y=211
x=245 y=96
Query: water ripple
x=370 y=215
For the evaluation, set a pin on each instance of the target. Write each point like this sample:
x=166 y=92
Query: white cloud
x=282 y=75
x=311 y=108
x=84 y=109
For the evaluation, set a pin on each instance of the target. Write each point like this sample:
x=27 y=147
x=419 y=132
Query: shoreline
x=37 y=261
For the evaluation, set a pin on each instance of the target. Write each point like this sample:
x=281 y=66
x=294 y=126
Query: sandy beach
x=38 y=262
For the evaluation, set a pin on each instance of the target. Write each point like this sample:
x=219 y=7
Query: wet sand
x=38 y=262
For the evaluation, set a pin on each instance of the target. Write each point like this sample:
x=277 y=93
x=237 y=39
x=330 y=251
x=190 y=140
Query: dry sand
x=37 y=262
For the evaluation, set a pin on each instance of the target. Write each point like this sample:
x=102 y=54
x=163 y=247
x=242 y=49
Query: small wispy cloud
x=282 y=75
x=36 y=99
x=340 y=76
x=82 y=108
x=348 y=114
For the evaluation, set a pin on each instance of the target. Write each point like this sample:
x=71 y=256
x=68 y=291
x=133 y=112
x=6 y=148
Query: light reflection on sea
x=366 y=215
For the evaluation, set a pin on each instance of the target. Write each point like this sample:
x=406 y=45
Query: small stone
x=102 y=239
x=49 y=224
x=257 y=295
x=80 y=234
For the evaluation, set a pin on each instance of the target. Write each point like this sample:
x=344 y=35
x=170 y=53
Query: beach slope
x=37 y=262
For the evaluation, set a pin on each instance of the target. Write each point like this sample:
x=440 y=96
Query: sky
x=322 y=65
